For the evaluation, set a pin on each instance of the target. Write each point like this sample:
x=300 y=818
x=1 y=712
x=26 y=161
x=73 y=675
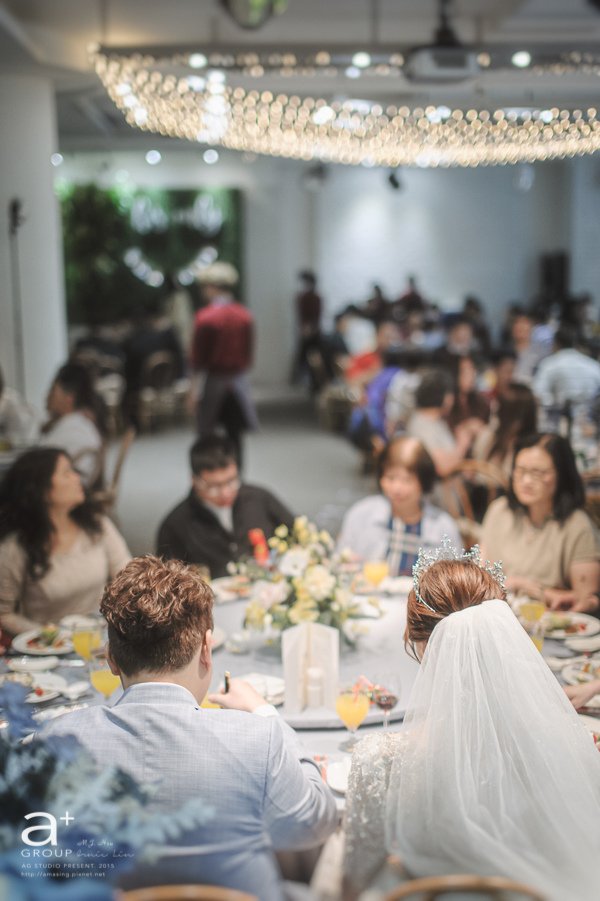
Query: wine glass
x=352 y=706
x=386 y=694
x=375 y=571
x=102 y=678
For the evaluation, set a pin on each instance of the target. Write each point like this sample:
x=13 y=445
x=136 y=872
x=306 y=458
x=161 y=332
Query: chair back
x=183 y=893
x=457 y=497
x=159 y=370
x=432 y=887
x=107 y=497
x=93 y=458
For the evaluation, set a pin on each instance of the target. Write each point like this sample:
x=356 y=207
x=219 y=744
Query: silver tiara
x=447 y=551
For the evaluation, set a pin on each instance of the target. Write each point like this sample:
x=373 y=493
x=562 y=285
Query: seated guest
x=361 y=368
x=567 y=376
x=76 y=421
x=579 y=695
x=515 y=417
x=540 y=531
x=210 y=526
x=470 y=406
x=56 y=550
x=393 y=525
x=243 y=762
x=500 y=376
x=433 y=401
x=464 y=787
x=529 y=353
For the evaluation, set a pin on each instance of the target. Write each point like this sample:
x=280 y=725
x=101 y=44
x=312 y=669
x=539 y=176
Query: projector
x=441 y=64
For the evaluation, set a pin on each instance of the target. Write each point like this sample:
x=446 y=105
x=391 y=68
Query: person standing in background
x=309 y=308
x=222 y=353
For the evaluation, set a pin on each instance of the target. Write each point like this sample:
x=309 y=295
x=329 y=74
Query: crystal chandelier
x=194 y=96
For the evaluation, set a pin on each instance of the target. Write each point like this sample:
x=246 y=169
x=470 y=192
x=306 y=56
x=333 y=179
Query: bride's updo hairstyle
x=446 y=586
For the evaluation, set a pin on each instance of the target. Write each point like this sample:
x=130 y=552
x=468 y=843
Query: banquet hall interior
x=296 y=285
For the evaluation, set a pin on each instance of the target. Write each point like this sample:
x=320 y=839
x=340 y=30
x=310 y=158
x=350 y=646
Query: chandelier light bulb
x=521 y=59
x=361 y=59
x=197 y=61
x=153 y=157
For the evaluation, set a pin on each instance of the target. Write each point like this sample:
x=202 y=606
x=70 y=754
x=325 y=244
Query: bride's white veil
x=497 y=775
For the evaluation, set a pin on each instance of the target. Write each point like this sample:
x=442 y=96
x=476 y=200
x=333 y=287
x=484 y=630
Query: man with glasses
x=210 y=527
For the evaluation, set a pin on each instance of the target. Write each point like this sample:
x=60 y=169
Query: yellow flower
x=303 y=612
x=282 y=531
x=255 y=615
x=273 y=542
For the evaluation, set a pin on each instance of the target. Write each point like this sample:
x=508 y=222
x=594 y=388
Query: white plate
x=218 y=637
x=41 y=695
x=225 y=589
x=272 y=688
x=573 y=675
x=75 y=622
x=584 y=645
x=590 y=623
x=31 y=664
x=19 y=643
x=337 y=775
x=49 y=681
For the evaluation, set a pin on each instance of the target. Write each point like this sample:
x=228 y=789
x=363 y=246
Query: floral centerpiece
x=303 y=581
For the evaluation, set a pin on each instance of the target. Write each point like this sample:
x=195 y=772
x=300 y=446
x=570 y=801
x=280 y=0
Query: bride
x=493 y=773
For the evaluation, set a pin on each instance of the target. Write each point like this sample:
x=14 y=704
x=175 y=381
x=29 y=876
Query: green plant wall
x=122 y=246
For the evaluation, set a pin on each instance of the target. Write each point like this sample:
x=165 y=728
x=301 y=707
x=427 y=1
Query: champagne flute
x=375 y=571
x=101 y=677
x=386 y=694
x=352 y=706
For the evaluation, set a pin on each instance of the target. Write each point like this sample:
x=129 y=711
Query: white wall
x=458 y=231
x=31 y=268
x=585 y=225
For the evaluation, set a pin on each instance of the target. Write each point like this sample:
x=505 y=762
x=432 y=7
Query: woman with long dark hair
x=515 y=417
x=540 y=531
x=57 y=551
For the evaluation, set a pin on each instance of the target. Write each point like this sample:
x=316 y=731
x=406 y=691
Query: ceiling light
x=210 y=156
x=153 y=157
x=521 y=59
x=352 y=72
x=197 y=61
x=323 y=115
x=57 y=159
x=361 y=59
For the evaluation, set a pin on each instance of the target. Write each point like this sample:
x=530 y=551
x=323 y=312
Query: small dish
x=31 y=664
x=337 y=775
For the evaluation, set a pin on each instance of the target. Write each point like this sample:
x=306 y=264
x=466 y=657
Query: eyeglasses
x=214 y=489
x=536 y=475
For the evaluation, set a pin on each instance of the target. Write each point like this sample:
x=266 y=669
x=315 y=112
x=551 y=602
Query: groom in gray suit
x=244 y=762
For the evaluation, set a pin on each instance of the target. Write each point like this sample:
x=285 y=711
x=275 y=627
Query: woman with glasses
x=540 y=531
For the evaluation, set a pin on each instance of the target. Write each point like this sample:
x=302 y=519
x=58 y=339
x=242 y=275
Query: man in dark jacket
x=210 y=527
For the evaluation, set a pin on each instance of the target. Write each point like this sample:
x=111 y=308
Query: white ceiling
x=52 y=37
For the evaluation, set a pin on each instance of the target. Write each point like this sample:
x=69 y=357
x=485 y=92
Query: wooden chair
x=457 y=500
x=591 y=482
x=432 y=887
x=107 y=497
x=183 y=893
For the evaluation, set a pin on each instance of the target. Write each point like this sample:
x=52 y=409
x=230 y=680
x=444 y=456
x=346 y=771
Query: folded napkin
x=310 y=651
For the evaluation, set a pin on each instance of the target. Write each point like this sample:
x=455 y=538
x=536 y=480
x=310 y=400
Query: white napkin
x=304 y=647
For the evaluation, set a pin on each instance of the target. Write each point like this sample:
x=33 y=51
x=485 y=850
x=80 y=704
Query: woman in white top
x=77 y=421
x=493 y=773
x=56 y=551
x=393 y=525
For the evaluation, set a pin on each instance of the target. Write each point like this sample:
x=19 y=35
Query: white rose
x=294 y=562
x=319 y=582
x=268 y=593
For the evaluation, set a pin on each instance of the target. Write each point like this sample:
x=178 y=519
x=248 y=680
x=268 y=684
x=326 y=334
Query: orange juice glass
x=375 y=571
x=86 y=641
x=352 y=706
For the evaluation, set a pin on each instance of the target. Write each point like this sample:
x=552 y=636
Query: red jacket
x=223 y=339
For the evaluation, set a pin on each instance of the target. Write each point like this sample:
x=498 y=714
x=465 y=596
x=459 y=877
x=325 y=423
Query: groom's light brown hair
x=158 y=613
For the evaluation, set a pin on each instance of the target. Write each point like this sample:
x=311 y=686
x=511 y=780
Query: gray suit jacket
x=248 y=768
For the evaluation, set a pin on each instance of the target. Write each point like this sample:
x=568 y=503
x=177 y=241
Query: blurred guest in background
x=470 y=406
x=528 y=353
x=309 y=308
x=567 y=376
x=210 y=527
x=393 y=525
x=433 y=402
x=77 y=421
x=540 y=531
x=56 y=550
x=222 y=354
x=514 y=419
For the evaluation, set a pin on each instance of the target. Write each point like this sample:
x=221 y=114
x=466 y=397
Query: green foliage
x=168 y=228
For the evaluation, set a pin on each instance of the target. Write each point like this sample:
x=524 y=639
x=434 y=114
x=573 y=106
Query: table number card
x=310 y=646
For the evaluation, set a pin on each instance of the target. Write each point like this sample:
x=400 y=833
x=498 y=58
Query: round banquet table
x=380 y=648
